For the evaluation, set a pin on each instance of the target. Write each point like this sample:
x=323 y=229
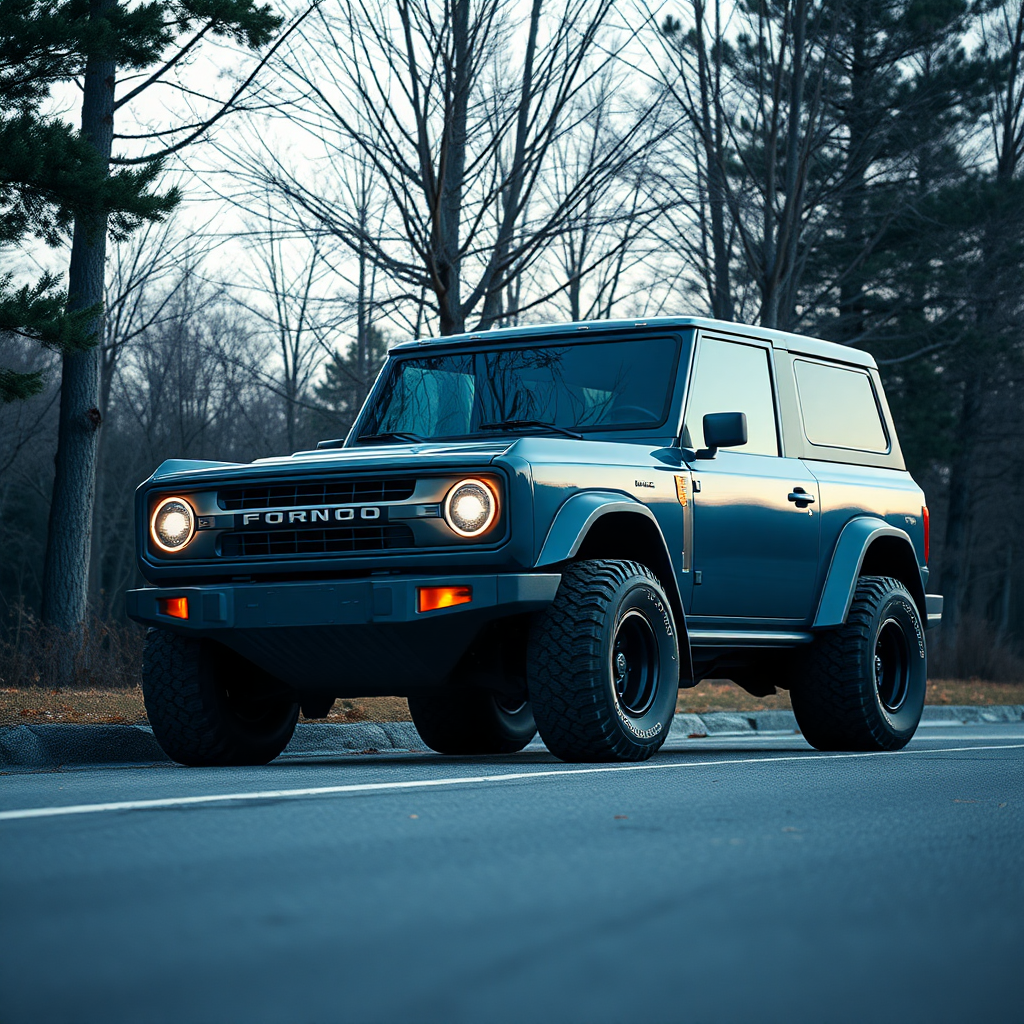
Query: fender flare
x=574 y=519
x=569 y=528
x=854 y=540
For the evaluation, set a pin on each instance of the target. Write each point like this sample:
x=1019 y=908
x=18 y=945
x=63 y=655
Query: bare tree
x=810 y=128
x=981 y=363
x=457 y=106
x=183 y=388
x=144 y=276
x=286 y=298
x=750 y=82
x=601 y=251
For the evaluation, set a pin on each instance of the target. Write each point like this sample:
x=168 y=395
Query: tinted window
x=733 y=378
x=585 y=386
x=839 y=407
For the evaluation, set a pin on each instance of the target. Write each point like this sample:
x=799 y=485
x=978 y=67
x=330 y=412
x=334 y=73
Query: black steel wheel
x=209 y=707
x=603 y=664
x=893 y=666
x=862 y=686
x=636 y=663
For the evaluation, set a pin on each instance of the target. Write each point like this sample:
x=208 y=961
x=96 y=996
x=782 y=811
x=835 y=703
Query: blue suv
x=551 y=529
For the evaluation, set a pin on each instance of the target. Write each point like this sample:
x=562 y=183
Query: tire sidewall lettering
x=902 y=609
x=652 y=606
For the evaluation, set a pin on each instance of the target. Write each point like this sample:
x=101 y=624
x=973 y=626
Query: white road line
x=371 y=787
x=754 y=737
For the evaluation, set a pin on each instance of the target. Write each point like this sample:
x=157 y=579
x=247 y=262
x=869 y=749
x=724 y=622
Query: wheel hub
x=635 y=666
x=621 y=666
x=892 y=665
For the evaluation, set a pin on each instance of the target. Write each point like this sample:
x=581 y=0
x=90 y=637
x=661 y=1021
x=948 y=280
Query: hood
x=407 y=457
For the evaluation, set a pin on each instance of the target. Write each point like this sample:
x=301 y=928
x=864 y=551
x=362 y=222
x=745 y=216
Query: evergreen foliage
x=348 y=376
x=50 y=172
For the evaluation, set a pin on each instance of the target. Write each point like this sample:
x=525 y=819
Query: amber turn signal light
x=429 y=599
x=175 y=607
x=681 y=490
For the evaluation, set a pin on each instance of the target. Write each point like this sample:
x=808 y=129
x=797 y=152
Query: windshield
x=609 y=385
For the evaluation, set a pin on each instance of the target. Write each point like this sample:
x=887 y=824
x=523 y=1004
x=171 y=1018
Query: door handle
x=801 y=497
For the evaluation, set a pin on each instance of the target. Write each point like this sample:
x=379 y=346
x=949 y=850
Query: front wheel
x=209 y=706
x=603 y=664
x=862 y=686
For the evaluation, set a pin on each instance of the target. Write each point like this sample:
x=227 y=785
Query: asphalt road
x=739 y=879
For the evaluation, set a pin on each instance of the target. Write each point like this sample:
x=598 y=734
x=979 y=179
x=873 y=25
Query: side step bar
x=745 y=638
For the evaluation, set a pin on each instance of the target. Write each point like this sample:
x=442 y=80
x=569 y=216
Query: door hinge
x=698 y=577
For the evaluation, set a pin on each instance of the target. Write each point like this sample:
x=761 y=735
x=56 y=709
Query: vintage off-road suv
x=551 y=529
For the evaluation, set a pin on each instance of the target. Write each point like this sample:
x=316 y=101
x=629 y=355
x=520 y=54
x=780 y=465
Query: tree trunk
x=66 y=570
x=961 y=508
x=452 y=318
x=852 y=206
x=992 y=285
x=97 y=591
x=494 y=281
x=1006 y=600
x=713 y=136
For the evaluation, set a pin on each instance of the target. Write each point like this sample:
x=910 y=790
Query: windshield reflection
x=616 y=385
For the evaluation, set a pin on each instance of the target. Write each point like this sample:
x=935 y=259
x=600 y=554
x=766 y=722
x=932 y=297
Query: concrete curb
x=52 y=746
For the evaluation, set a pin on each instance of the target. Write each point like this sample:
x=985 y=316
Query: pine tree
x=48 y=172
x=61 y=179
x=348 y=377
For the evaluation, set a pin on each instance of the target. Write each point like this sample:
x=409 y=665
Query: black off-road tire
x=472 y=722
x=588 y=705
x=210 y=707
x=862 y=686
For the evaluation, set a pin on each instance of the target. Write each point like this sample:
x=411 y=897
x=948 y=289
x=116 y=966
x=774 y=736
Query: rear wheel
x=209 y=706
x=603 y=664
x=473 y=722
x=862 y=686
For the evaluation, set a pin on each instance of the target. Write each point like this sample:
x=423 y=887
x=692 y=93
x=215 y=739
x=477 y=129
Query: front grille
x=327 y=492
x=254 y=544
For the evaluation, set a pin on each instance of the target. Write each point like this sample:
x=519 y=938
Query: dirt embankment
x=37 y=705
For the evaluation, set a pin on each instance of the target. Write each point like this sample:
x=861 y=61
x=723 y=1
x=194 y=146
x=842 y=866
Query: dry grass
x=722 y=695
x=34 y=705
x=974 y=691
x=108 y=655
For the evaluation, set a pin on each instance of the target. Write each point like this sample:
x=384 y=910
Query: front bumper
x=215 y=608
x=347 y=638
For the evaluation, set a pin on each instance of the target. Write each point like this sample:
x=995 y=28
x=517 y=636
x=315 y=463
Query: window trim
x=832 y=364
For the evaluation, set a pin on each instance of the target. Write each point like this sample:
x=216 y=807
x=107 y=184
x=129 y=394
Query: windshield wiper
x=390 y=435
x=528 y=424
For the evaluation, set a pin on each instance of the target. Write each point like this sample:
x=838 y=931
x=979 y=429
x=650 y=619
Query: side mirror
x=723 y=430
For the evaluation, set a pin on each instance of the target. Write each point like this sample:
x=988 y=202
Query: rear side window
x=839 y=407
x=731 y=377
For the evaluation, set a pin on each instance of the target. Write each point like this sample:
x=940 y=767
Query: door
x=755 y=518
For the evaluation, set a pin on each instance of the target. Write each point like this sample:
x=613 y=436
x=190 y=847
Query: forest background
x=215 y=217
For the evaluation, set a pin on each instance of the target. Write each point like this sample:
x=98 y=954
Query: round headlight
x=470 y=508
x=173 y=524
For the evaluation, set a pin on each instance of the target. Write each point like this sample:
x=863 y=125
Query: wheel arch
x=868 y=546
x=611 y=526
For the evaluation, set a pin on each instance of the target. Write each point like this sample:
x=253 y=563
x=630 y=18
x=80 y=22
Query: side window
x=839 y=407
x=731 y=377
